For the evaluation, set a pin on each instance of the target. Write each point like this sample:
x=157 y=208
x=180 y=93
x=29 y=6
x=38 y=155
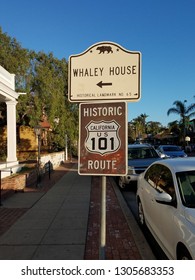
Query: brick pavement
x=119 y=241
x=120 y=244
x=8 y=217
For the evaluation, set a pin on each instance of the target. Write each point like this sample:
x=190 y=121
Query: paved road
x=130 y=197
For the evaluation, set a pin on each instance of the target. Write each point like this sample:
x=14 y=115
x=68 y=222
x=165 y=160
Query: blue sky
x=162 y=30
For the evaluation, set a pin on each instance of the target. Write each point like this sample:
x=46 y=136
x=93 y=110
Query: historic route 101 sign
x=103 y=139
x=105 y=71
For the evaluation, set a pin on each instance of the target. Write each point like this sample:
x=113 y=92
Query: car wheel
x=184 y=254
x=141 y=217
x=121 y=183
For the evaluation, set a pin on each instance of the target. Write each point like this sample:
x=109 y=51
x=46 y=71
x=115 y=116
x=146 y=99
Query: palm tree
x=185 y=113
x=140 y=125
x=153 y=127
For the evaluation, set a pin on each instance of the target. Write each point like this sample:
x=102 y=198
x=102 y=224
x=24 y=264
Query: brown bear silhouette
x=104 y=49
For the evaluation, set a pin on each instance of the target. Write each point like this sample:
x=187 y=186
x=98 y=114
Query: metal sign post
x=102 y=251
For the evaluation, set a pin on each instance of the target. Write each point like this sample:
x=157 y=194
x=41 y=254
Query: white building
x=9 y=96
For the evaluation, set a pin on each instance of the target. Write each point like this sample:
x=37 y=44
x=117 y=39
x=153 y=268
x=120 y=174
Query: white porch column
x=11 y=131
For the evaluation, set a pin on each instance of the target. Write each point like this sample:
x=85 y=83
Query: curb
x=140 y=241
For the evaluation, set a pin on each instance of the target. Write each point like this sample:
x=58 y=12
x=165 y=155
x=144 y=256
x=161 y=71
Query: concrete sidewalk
x=55 y=226
x=62 y=221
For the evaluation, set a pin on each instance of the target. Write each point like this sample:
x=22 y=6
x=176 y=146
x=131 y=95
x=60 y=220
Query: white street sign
x=102 y=137
x=105 y=71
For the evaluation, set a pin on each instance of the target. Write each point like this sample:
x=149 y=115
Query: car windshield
x=171 y=149
x=186 y=182
x=141 y=153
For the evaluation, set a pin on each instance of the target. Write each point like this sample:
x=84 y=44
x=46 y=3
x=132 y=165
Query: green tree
x=44 y=78
x=14 y=59
x=174 y=127
x=140 y=125
x=131 y=132
x=49 y=89
x=153 y=127
x=185 y=113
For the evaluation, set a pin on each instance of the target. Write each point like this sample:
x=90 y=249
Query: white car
x=166 y=204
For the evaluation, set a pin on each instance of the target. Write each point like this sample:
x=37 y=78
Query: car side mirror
x=163 y=198
x=161 y=155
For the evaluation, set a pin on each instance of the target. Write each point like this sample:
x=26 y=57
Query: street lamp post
x=66 y=147
x=38 y=130
x=187 y=139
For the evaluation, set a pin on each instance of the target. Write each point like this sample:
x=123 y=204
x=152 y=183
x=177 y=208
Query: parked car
x=166 y=204
x=171 y=151
x=140 y=156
